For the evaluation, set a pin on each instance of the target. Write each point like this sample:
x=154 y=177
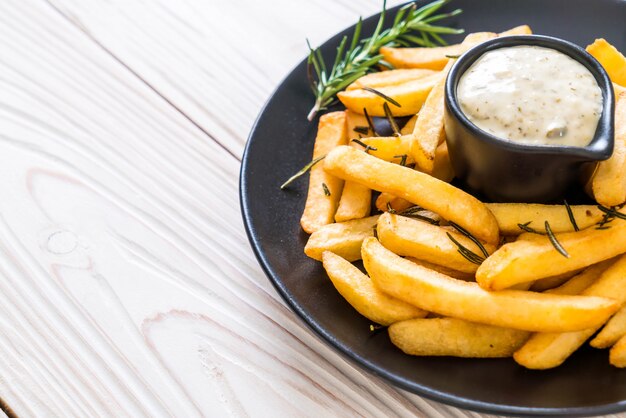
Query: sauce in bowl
x=533 y=95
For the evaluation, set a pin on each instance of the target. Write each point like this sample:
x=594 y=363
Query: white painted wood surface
x=127 y=284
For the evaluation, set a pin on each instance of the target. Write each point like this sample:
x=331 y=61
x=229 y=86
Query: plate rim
x=345 y=352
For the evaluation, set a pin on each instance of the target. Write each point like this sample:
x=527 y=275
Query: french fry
x=421 y=240
x=609 y=181
x=611 y=59
x=428 y=132
x=511 y=215
x=389 y=78
x=525 y=260
x=442 y=169
x=356 y=200
x=343 y=238
x=421 y=189
x=384 y=201
x=552 y=282
x=390 y=148
x=407 y=129
x=617 y=355
x=612 y=331
x=518 y=30
x=410 y=95
x=546 y=350
x=321 y=202
x=455 y=274
x=440 y=294
x=360 y=292
x=431 y=58
x=454 y=337
x=582 y=280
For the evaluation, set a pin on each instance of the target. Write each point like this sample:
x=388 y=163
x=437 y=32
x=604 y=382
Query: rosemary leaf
x=392 y=121
x=370 y=123
x=403 y=158
x=367 y=147
x=383 y=95
x=452 y=56
x=363 y=130
x=613 y=211
x=470 y=236
x=571 y=216
x=555 y=243
x=525 y=227
x=465 y=252
x=326 y=191
x=390 y=209
x=302 y=171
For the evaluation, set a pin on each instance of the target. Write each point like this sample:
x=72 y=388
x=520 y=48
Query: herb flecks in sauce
x=533 y=95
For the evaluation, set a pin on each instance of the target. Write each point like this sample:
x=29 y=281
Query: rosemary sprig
x=411 y=26
x=553 y=240
x=370 y=123
x=413 y=212
x=469 y=255
x=326 y=191
x=383 y=95
x=613 y=211
x=302 y=171
x=392 y=121
x=470 y=236
x=364 y=145
x=555 y=243
x=571 y=216
x=403 y=158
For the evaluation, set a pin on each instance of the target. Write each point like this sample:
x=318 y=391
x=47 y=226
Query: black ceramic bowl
x=508 y=171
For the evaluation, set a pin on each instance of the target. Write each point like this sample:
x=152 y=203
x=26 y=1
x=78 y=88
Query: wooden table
x=128 y=287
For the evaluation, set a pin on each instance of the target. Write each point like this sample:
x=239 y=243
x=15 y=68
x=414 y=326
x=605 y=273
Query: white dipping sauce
x=533 y=95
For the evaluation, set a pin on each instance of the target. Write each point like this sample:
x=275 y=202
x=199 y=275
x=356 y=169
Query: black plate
x=281 y=143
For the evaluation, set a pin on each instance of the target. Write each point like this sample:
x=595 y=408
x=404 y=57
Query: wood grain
x=127 y=284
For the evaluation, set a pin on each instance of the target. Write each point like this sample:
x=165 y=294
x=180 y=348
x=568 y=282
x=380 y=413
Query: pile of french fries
x=448 y=274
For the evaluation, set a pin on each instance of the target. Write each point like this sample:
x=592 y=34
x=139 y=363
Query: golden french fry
x=455 y=337
x=617 y=355
x=546 y=350
x=582 y=280
x=421 y=189
x=552 y=282
x=390 y=148
x=410 y=95
x=611 y=59
x=343 y=238
x=360 y=292
x=428 y=132
x=511 y=215
x=531 y=259
x=612 y=331
x=389 y=78
x=455 y=274
x=384 y=201
x=609 y=181
x=442 y=169
x=407 y=129
x=518 y=30
x=437 y=293
x=421 y=240
x=324 y=188
x=356 y=199
x=432 y=58
x=357 y=126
